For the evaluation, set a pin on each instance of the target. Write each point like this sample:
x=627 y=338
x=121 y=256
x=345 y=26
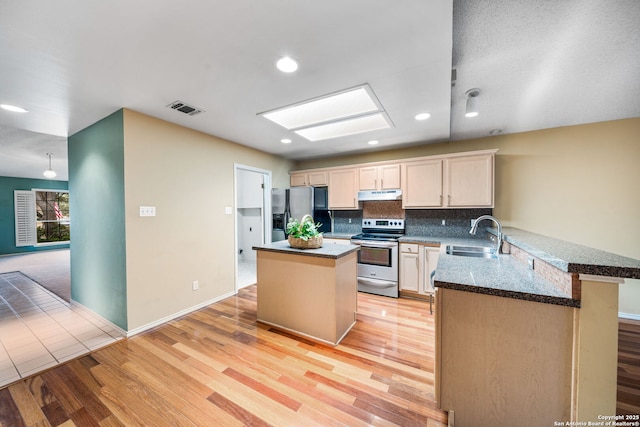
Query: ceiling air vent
x=185 y=108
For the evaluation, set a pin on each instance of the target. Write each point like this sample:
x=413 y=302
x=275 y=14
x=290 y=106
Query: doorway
x=253 y=208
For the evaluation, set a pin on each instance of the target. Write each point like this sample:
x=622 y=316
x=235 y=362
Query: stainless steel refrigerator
x=297 y=202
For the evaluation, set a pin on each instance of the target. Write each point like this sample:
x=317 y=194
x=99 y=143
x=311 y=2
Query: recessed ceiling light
x=285 y=141
x=13 y=108
x=422 y=116
x=373 y=142
x=287 y=64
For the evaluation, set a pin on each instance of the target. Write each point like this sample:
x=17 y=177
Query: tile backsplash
x=442 y=222
x=418 y=222
x=348 y=222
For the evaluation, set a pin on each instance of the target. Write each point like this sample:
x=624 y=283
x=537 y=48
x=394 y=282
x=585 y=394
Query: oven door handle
x=377 y=283
x=375 y=244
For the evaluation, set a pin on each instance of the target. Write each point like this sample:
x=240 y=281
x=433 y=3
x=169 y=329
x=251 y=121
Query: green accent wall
x=96 y=187
x=8 y=217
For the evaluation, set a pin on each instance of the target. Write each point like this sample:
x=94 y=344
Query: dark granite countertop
x=503 y=276
x=444 y=241
x=571 y=257
x=326 y=251
x=508 y=277
x=345 y=236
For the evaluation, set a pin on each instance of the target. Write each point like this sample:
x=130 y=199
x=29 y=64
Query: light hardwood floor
x=216 y=366
x=628 y=367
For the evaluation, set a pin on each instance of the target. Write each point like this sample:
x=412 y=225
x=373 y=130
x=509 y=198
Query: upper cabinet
x=469 y=181
x=422 y=184
x=343 y=189
x=315 y=179
x=460 y=181
x=386 y=177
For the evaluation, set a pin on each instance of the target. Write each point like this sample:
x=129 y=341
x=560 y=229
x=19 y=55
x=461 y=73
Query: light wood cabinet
x=430 y=257
x=343 y=189
x=514 y=354
x=558 y=362
x=461 y=180
x=409 y=267
x=417 y=262
x=386 y=177
x=311 y=296
x=455 y=182
x=469 y=181
x=315 y=179
x=422 y=184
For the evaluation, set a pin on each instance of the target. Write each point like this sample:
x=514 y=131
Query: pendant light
x=49 y=173
x=472 y=102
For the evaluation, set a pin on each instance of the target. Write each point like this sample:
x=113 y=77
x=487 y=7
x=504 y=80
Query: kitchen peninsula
x=529 y=338
x=308 y=292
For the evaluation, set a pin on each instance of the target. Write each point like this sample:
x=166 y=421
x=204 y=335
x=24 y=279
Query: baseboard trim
x=629 y=316
x=88 y=311
x=173 y=316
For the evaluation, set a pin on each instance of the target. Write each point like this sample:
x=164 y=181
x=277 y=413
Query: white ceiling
x=538 y=65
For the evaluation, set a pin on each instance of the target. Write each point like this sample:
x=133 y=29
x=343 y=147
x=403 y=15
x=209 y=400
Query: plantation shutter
x=25 y=209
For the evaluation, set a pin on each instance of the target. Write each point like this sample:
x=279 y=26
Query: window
x=52 y=216
x=42 y=217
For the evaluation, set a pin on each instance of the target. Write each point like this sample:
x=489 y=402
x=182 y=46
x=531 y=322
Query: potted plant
x=304 y=234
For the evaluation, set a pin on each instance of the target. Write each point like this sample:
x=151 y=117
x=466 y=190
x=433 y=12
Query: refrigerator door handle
x=287 y=210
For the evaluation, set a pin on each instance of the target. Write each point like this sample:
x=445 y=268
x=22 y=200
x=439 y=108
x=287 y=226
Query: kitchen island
x=308 y=292
x=529 y=338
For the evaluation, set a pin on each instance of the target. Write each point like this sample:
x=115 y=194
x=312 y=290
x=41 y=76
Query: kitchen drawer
x=409 y=247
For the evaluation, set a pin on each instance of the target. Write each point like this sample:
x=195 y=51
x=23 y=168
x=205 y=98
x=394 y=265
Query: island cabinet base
x=504 y=361
x=309 y=296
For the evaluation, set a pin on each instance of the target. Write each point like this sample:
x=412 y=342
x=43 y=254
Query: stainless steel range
x=378 y=256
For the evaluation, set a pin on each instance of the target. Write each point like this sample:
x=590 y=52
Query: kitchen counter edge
x=326 y=251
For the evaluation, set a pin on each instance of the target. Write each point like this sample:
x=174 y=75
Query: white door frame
x=266 y=210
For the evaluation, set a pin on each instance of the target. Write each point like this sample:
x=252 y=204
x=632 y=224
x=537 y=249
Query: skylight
x=345 y=127
x=343 y=113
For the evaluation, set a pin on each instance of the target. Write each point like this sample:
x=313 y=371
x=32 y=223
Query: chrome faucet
x=474 y=228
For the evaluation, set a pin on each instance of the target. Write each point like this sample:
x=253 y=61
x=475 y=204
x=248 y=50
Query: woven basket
x=311 y=243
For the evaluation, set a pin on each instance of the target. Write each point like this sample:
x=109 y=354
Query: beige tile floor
x=39 y=330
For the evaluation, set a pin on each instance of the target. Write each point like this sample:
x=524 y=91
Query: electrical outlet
x=349 y=220
x=444 y=222
x=195 y=285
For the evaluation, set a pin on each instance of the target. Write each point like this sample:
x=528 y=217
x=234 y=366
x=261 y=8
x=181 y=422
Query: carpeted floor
x=51 y=269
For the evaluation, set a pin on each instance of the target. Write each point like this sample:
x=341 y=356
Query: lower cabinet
x=409 y=267
x=417 y=262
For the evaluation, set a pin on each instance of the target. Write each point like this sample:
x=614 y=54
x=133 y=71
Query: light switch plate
x=228 y=210
x=147 y=211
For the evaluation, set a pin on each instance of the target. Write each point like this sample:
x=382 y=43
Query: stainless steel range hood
x=364 y=196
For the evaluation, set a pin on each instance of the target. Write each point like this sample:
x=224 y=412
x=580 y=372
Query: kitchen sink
x=472 y=251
